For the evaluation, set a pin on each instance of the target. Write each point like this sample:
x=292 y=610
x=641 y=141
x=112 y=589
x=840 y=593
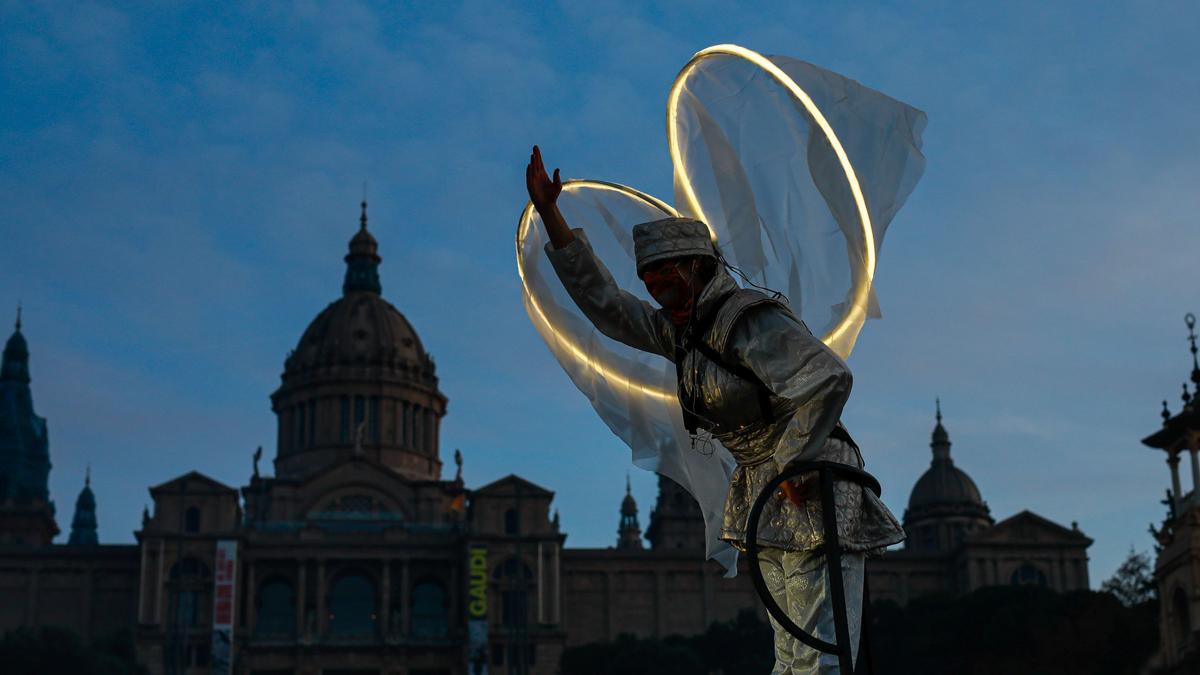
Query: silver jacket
x=808 y=387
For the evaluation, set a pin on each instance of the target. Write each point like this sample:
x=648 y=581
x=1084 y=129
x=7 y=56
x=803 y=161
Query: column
x=159 y=583
x=322 y=619
x=610 y=630
x=1173 y=462
x=301 y=596
x=385 y=598
x=557 y=585
x=660 y=604
x=31 y=593
x=406 y=430
x=1195 y=468
x=144 y=594
x=405 y=604
x=541 y=581
x=89 y=590
x=251 y=605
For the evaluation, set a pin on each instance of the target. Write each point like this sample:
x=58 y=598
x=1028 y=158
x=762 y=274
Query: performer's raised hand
x=543 y=192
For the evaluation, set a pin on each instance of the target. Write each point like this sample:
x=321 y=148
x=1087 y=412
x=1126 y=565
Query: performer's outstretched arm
x=543 y=192
x=614 y=312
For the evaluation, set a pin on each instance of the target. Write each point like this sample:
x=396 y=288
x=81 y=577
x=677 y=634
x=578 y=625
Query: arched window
x=430 y=615
x=1182 y=619
x=191 y=519
x=276 y=608
x=352 y=606
x=512 y=522
x=1028 y=575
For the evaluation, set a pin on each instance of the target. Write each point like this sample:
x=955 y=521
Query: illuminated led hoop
x=611 y=374
x=857 y=311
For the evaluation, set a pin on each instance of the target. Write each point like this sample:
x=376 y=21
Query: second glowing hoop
x=609 y=373
x=841 y=336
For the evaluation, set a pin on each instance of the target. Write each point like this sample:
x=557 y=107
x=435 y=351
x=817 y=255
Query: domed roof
x=944 y=484
x=360 y=328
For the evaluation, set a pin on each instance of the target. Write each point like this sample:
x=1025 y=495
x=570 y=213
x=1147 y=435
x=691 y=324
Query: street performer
x=752 y=375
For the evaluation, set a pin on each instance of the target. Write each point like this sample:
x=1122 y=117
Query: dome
x=360 y=328
x=359 y=382
x=944 y=484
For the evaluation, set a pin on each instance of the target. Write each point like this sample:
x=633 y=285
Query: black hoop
x=833 y=557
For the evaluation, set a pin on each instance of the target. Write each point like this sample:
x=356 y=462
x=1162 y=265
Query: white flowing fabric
x=771 y=187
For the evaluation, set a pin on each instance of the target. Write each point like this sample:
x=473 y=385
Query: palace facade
x=356 y=555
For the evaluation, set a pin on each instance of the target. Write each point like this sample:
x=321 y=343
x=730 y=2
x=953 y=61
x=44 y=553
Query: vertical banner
x=477 y=610
x=224 y=592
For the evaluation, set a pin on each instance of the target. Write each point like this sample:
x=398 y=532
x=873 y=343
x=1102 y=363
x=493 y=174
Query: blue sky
x=179 y=182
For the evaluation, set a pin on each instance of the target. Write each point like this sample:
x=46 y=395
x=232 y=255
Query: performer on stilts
x=749 y=374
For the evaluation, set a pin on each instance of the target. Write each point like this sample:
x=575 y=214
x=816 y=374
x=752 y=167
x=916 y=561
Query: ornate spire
x=1190 y=320
x=940 y=441
x=15 y=365
x=362 y=262
x=629 y=532
x=24 y=448
x=83 y=525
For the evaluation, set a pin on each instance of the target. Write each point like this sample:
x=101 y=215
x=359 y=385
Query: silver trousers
x=798 y=581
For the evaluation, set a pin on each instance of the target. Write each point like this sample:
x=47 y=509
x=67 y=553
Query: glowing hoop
x=856 y=313
x=526 y=221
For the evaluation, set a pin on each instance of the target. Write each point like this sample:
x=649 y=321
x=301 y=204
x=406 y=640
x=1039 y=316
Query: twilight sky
x=178 y=183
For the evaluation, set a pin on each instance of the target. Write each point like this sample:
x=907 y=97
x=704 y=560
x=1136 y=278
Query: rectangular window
x=374 y=419
x=360 y=411
x=393 y=419
x=300 y=426
x=345 y=419
x=418 y=428
x=312 y=422
x=406 y=432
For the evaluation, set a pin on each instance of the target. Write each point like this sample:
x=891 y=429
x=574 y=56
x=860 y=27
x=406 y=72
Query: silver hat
x=670 y=238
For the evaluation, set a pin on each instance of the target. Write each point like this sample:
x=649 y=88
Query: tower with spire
x=83 y=525
x=359 y=383
x=26 y=512
x=629 y=533
x=945 y=504
x=1177 y=566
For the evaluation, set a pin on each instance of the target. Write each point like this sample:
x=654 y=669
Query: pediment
x=192 y=482
x=1027 y=527
x=513 y=485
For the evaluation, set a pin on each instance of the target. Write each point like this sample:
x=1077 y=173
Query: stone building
x=1177 y=565
x=356 y=556
x=953 y=545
